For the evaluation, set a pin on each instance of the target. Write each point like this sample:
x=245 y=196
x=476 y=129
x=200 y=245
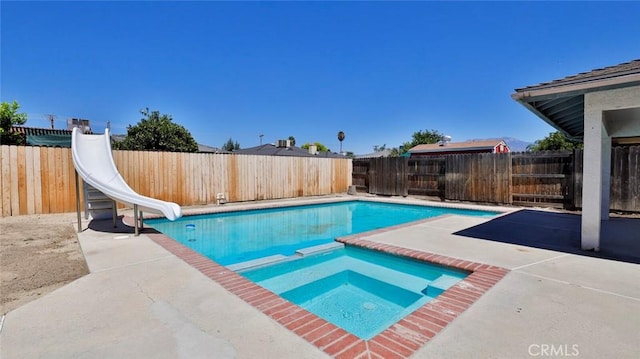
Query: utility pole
x=51 y=118
x=261 y=135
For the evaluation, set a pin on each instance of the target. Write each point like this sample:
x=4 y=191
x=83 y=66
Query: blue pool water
x=359 y=290
x=235 y=237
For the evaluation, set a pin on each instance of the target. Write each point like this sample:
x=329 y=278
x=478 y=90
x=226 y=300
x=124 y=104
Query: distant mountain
x=515 y=145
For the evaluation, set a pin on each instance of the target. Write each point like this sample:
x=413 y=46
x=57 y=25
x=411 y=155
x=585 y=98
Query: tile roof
x=457 y=146
x=272 y=150
x=624 y=69
x=383 y=153
x=210 y=149
x=560 y=103
x=50 y=137
x=33 y=131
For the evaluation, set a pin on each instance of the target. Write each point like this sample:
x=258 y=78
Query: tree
x=377 y=148
x=421 y=138
x=157 y=132
x=292 y=140
x=555 y=141
x=319 y=146
x=10 y=117
x=395 y=152
x=230 y=145
x=341 y=138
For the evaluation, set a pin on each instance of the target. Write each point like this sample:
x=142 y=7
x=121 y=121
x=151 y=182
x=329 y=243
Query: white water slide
x=93 y=161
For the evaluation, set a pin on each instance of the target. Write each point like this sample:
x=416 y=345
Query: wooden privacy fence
x=547 y=179
x=38 y=180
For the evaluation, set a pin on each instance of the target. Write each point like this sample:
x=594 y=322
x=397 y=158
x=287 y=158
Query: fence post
x=569 y=182
x=510 y=178
x=577 y=178
x=442 y=183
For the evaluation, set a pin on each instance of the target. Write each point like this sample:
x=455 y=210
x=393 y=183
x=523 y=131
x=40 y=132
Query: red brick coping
x=400 y=340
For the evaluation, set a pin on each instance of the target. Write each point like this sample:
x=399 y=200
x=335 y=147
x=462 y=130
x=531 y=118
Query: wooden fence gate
x=478 y=177
x=388 y=176
x=625 y=178
x=427 y=176
x=543 y=178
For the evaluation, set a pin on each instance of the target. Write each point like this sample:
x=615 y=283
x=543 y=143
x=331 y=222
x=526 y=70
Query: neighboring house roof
x=34 y=131
x=482 y=145
x=209 y=149
x=44 y=136
x=383 y=153
x=273 y=150
x=560 y=103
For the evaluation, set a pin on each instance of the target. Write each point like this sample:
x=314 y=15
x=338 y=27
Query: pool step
x=438 y=286
x=320 y=249
x=303 y=270
x=277 y=258
x=260 y=262
x=287 y=281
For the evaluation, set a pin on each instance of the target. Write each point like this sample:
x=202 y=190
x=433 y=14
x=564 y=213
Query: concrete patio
x=142 y=301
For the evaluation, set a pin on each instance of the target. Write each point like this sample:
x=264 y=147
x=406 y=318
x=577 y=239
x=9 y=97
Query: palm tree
x=340 y=138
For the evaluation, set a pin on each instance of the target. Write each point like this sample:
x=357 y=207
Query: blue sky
x=379 y=71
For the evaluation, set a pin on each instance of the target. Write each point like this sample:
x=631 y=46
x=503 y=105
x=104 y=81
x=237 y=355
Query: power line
x=59 y=121
x=51 y=119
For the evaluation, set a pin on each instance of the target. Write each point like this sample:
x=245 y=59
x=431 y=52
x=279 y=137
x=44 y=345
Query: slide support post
x=114 y=214
x=78 y=202
x=136 y=231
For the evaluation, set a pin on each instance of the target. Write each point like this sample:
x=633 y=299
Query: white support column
x=597 y=164
x=598 y=131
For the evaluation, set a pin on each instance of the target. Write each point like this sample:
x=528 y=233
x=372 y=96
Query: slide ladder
x=97 y=204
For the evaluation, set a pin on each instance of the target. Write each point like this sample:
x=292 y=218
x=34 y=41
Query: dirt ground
x=38 y=254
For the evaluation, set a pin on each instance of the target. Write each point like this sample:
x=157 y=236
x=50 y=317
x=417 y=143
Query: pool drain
x=369 y=306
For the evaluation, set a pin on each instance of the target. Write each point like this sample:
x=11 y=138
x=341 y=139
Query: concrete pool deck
x=140 y=300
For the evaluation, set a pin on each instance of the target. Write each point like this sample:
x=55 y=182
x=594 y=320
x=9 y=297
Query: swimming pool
x=400 y=339
x=360 y=290
x=235 y=237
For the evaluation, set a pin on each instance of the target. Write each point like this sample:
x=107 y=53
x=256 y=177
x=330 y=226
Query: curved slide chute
x=93 y=161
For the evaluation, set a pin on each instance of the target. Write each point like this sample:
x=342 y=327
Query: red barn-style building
x=449 y=148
